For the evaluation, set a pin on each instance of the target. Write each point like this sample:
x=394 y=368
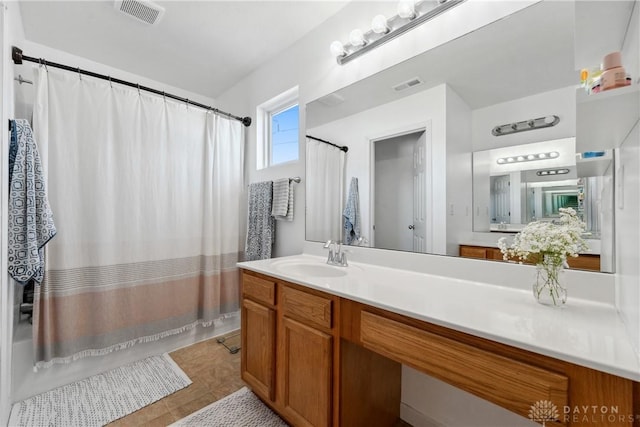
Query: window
x=278 y=128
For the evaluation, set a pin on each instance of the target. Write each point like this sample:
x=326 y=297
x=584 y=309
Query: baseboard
x=417 y=418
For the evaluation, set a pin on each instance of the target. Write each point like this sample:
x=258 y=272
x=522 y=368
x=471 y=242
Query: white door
x=500 y=199
x=419 y=225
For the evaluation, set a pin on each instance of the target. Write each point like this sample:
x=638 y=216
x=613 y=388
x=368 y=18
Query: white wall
x=459 y=179
x=12 y=34
x=627 y=178
x=627 y=206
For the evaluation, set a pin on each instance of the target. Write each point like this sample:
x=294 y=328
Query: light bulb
x=520 y=158
x=379 y=24
x=500 y=161
x=554 y=154
x=356 y=38
x=337 y=49
x=511 y=160
x=542 y=156
x=531 y=157
x=407 y=9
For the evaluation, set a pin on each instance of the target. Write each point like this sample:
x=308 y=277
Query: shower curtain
x=324 y=194
x=147 y=197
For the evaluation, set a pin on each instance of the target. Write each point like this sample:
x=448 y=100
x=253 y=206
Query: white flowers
x=555 y=242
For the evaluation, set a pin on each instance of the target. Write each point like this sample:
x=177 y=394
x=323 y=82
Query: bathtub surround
x=103 y=398
x=145 y=196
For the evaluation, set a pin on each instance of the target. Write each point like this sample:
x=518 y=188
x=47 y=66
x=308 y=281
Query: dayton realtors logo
x=544 y=411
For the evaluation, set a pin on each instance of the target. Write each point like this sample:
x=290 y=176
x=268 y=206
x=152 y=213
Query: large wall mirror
x=434 y=175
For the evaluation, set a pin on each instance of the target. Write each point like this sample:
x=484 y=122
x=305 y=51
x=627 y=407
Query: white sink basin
x=310 y=269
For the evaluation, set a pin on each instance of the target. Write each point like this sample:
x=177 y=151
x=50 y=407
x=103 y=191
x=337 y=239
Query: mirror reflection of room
x=476 y=105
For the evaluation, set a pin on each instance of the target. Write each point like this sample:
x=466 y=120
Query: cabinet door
x=258 y=348
x=473 y=252
x=304 y=370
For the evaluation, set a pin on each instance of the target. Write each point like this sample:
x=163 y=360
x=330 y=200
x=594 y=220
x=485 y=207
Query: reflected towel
x=261 y=225
x=30 y=217
x=351 y=214
x=282 y=200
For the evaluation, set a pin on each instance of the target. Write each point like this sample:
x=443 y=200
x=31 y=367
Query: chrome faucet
x=336 y=255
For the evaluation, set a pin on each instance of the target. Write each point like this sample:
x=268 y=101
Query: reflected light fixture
x=548 y=172
x=410 y=15
x=525 y=125
x=528 y=157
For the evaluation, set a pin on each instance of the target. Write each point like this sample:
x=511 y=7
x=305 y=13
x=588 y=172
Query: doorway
x=399 y=192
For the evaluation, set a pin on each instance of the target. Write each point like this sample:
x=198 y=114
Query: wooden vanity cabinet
x=258 y=334
x=289 y=343
x=583 y=262
x=321 y=360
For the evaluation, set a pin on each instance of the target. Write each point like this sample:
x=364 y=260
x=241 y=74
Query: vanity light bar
x=360 y=43
x=527 y=158
x=525 y=125
x=552 y=172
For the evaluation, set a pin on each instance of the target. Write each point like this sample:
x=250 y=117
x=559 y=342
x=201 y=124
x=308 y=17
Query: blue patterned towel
x=30 y=217
x=351 y=214
x=261 y=227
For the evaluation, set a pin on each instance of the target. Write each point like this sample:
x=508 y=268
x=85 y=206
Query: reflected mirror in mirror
x=421 y=141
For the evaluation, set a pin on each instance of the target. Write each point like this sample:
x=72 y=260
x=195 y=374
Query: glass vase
x=548 y=287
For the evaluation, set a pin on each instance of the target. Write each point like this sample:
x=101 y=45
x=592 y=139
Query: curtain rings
x=138 y=86
x=164 y=97
x=110 y=82
x=79 y=73
x=187 y=103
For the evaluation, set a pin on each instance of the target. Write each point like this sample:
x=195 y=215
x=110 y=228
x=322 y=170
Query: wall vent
x=140 y=10
x=409 y=83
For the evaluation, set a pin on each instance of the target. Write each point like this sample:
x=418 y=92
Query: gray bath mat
x=102 y=398
x=240 y=409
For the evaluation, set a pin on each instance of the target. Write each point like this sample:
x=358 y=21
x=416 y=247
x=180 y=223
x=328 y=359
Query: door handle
x=411 y=227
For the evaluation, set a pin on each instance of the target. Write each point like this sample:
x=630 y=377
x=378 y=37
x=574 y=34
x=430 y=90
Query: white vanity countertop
x=585 y=333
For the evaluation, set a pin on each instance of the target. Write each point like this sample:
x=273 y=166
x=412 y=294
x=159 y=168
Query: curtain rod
x=18 y=57
x=341 y=147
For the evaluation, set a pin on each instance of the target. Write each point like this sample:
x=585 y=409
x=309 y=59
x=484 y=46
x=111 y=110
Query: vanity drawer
x=315 y=310
x=509 y=383
x=259 y=289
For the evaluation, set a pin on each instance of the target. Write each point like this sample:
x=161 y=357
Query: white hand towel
x=282 y=200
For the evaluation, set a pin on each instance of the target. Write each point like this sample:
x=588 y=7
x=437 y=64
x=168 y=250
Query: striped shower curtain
x=146 y=194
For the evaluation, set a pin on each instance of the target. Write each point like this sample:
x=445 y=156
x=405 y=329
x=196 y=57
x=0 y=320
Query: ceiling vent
x=140 y=10
x=409 y=83
x=331 y=100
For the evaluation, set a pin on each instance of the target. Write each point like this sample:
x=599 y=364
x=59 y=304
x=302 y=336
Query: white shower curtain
x=147 y=198
x=324 y=192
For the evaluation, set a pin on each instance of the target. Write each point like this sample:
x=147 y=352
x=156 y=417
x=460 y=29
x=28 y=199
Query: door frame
x=424 y=126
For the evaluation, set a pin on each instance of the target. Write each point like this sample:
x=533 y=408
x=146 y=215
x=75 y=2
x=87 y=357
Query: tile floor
x=215 y=373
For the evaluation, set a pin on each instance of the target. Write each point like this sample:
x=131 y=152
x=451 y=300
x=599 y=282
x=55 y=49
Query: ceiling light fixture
x=528 y=157
x=410 y=15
